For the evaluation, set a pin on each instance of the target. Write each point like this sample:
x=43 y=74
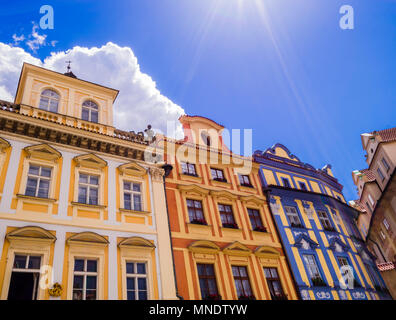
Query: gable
x=132 y=169
x=90 y=161
x=43 y=151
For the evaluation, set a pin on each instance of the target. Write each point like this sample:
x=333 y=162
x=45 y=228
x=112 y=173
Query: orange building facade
x=225 y=244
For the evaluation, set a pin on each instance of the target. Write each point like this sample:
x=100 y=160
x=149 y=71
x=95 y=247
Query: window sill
x=190 y=177
x=23 y=196
x=134 y=211
x=96 y=206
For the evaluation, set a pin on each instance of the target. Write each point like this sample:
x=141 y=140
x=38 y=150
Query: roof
x=357 y=205
x=369 y=174
x=387 y=134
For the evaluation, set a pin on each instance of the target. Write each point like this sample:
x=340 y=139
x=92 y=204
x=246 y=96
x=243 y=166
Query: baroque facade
x=225 y=243
x=376 y=187
x=77 y=200
x=327 y=256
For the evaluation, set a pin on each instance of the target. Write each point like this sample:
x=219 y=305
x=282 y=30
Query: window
x=132 y=196
x=386 y=224
x=286 y=182
x=218 y=175
x=255 y=220
x=49 y=100
x=274 y=284
x=25 y=277
x=227 y=217
x=207 y=282
x=195 y=212
x=325 y=221
x=381 y=175
x=313 y=270
x=205 y=138
x=368 y=207
x=342 y=261
x=293 y=217
x=371 y=199
x=90 y=111
x=88 y=189
x=242 y=283
x=338 y=197
x=85 y=279
x=303 y=186
x=383 y=236
x=385 y=164
x=189 y=169
x=244 y=180
x=38 y=181
x=136 y=283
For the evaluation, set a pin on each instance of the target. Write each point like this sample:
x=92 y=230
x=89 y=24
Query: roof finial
x=68 y=66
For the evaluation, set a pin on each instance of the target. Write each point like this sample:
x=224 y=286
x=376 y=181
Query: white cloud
x=18 y=39
x=139 y=102
x=36 y=40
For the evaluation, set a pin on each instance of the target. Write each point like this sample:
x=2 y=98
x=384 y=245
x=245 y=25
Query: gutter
x=168 y=168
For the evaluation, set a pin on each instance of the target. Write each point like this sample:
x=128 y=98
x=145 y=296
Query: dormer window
x=205 y=138
x=49 y=100
x=90 y=111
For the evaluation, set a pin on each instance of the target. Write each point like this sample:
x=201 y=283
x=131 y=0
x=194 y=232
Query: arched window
x=90 y=111
x=49 y=100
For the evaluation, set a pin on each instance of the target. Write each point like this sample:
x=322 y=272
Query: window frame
x=380 y=174
x=301 y=183
x=242 y=178
x=270 y=280
x=188 y=165
x=242 y=278
x=261 y=227
x=231 y=225
x=224 y=179
x=325 y=220
x=90 y=110
x=308 y=267
x=385 y=164
x=89 y=186
x=296 y=225
x=85 y=274
x=286 y=185
x=206 y=278
x=132 y=193
x=38 y=178
x=196 y=220
x=58 y=99
x=137 y=276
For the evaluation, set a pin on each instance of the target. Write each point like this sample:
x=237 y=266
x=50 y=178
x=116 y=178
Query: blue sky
x=283 y=68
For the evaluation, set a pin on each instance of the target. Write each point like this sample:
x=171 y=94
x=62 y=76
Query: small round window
x=205 y=138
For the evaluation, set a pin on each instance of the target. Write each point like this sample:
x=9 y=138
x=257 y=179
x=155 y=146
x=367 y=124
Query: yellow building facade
x=82 y=215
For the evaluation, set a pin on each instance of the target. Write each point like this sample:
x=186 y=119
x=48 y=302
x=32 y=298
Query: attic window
x=205 y=138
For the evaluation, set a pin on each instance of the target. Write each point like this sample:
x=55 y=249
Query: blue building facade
x=325 y=251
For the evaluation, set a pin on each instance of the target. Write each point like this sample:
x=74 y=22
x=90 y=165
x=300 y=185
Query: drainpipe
x=266 y=191
x=168 y=168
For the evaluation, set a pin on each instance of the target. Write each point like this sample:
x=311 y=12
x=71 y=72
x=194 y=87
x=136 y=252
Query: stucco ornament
x=274 y=205
x=307 y=209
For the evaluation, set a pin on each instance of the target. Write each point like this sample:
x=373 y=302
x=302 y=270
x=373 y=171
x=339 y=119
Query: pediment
x=237 y=249
x=193 y=189
x=31 y=232
x=134 y=242
x=267 y=252
x=252 y=199
x=87 y=237
x=337 y=245
x=90 y=161
x=43 y=151
x=204 y=246
x=4 y=144
x=223 y=195
x=305 y=242
x=132 y=169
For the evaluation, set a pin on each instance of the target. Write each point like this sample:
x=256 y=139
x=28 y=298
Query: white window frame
x=313 y=265
x=89 y=186
x=136 y=276
x=324 y=220
x=39 y=178
x=386 y=224
x=57 y=99
x=132 y=193
x=90 y=109
x=293 y=215
x=85 y=274
x=371 y=199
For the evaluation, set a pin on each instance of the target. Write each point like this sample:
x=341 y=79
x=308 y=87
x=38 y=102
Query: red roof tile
x=387 y=134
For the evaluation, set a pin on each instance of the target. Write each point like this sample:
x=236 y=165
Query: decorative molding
x=133 y=169
x=193 y=188
x=267 y=252
x=4 y=144
x=43 y=151
x=136 y=242
x=157 y=174
x=223 y=194
x=31 y=232
x=252 y=199
x=204 y=246
x=87 y=238
x=90 y=160
x=237 y=249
